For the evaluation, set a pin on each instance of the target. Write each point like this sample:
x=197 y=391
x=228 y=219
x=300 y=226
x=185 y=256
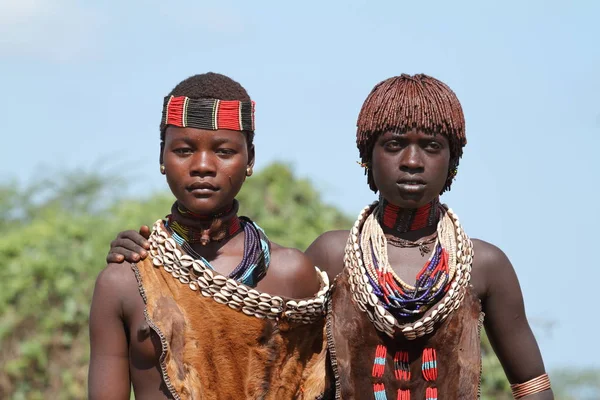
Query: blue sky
x=83 y=83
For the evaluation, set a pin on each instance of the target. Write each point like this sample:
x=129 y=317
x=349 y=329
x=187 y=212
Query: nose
x=203 y=164
x=411 y=159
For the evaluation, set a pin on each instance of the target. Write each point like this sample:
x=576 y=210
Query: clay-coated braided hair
x=210 y=86
x=405 y=102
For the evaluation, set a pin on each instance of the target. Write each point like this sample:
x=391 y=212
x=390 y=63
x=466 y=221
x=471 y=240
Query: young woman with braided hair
x=419 y=338
x=411 y=289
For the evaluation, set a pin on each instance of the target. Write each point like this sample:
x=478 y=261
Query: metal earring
x=249 y=171
x=363 y=164
x=162 y=169
x=453 y=174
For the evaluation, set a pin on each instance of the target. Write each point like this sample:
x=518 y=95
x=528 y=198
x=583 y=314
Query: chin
x=202 y=206
x=409 y=200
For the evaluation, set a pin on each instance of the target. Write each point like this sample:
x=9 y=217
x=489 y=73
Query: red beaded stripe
x=379 y=362
x=402 y=366
x=429 y=361
x=390 y=213
x=403 y=394
x=379 y=391
x=405 y=220
x=421 y=218
x=235 y=226
x=431 y=393
x=442 y=266
x=175 y=111
x=228 y=115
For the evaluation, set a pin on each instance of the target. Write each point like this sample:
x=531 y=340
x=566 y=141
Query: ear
x=251 y=155
x=371 y=181
x=162 y=150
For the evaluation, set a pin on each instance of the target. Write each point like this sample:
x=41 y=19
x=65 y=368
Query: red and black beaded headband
x=212 y=114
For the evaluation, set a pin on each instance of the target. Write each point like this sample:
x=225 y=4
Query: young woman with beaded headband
x=415 y=287
x=211 y=313
x=411 y=288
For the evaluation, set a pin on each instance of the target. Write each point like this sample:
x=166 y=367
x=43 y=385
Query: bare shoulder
x=116 y=282
x=327 y=251
x=333 y=237
x=488 y=255
x=491 y=266
x=116 y=275
x=294 y=271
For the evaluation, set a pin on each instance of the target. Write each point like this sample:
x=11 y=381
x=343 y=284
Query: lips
x=411 y=181
x=202 y=187
x=411 y=185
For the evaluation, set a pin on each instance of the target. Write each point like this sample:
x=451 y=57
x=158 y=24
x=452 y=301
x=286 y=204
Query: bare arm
x=505 y=322
x=292 y=273
x=109 y=361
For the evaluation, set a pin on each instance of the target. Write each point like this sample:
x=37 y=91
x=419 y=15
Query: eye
x=434 y=146
x=226 y=151
x=182 y=151
x=392 y=145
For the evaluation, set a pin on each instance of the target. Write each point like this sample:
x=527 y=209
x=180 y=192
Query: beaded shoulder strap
x=194 y=273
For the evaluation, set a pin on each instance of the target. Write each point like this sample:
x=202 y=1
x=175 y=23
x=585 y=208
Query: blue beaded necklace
x=257 y=253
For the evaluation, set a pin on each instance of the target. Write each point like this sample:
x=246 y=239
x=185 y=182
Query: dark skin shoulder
x=327 y=252
x=291 y=274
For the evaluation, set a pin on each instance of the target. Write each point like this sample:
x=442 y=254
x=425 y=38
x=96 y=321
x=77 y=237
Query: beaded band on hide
x=211 y=114
x=368 y=302
x=199 y=278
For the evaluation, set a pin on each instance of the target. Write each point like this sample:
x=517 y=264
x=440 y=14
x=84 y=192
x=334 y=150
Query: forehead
x=413 y=134
x=204 y=135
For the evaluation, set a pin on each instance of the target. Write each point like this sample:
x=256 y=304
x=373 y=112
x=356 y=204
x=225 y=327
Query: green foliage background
x=54 y=237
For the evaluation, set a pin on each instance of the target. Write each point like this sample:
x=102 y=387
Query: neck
x=204 y=229
x=400 y=220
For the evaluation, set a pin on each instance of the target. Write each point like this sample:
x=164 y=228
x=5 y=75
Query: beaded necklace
x=386 y=299
x=400 y=298
x=203 y=229
x=195 y=273
x=423 y=244
x=257 y=253
x=403 y=220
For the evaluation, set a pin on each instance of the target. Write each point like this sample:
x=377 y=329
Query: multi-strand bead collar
x=385 y=298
